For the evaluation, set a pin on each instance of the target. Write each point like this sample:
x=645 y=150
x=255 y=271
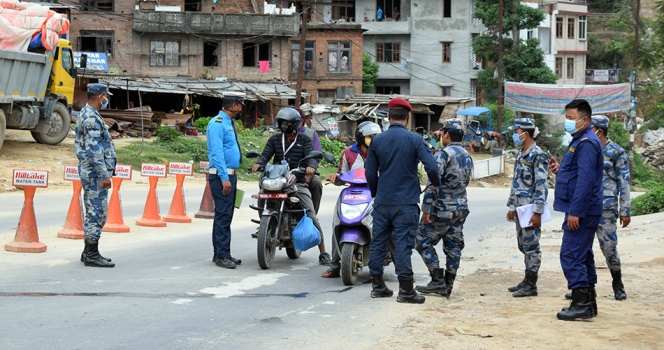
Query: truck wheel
x=3 y=127
x=58 y=128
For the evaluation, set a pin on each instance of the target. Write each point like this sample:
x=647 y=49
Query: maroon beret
x=399 y=102
x=302 y=115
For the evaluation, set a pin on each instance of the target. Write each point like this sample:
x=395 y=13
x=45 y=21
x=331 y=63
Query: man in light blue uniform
x=225 y=159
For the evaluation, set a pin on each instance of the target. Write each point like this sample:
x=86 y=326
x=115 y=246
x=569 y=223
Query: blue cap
x=235 y=96
x=524 y=124
x=453 y=124
x=98 y=89
x=599 y=121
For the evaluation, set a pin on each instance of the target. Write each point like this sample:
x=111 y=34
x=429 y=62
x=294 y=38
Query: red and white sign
x=123 y=172
x=178 y=168
x=71 y=173
x=204 y=167
x=354 y=197
x=34 y=178
x=156 y=170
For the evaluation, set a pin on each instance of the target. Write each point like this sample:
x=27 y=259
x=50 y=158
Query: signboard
x=34 y=178
x=96 y=60
x=178 y=168
x=156 y=170
x=551 y=99
x=71 y=173
x=123 y=172
x=204 y=167
x=602 y=75
x=333 y=127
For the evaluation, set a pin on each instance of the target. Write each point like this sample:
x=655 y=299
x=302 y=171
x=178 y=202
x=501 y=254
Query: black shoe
x=226 y=263
x=530 y=287
x=379 y=289
x=325 y=259
x=407 y=293
x=580 y=308
x=437 y=284
x=91 y=257
x=568 y=296
x=85 y=250
x=618 y=287
x=593 y=300
x=236 y=261
x=449 y=282
x=518 y=286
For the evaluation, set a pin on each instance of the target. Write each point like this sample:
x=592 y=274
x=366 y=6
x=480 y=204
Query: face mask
x=367 y=141
x=286 y=129
x=570 y=126
x=517 y=140
x=596 y=132
x=104 y=104
x=238 y=114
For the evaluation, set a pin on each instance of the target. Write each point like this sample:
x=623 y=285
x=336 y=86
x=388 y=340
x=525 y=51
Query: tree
x=369 y=73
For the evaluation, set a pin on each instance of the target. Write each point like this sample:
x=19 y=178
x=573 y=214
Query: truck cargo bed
x=24 y=75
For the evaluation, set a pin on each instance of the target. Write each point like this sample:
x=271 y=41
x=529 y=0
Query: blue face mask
x=105 y=104
x=517 y=139
x=570 y=126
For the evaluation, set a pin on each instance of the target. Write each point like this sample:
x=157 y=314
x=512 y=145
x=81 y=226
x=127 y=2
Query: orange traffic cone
x=27 y=236
x=151 y=216
x=177 y=212
x=206 y=210
x=114 y=222
x=73 y=228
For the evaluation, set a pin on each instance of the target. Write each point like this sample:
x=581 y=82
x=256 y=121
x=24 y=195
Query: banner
x=602 y=75
x=551 y=99
x=96 y=60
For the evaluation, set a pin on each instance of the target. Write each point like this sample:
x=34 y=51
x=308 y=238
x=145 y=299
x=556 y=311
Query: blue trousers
x=576 y=253
x=401 y=220
x=223 y=215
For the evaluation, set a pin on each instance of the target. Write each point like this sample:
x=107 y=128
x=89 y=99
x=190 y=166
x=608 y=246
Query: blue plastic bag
x=305 y=234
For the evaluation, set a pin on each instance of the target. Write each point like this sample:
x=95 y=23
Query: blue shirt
x=579 y=189
x=223 y=147
x=380 y=14
x=395 y=154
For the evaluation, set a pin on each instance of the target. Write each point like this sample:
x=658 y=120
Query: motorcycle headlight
x=274 y=184
x=352 y=211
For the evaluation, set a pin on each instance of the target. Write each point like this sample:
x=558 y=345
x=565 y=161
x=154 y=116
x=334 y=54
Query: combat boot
x=379 y=289
x=85 y=251
x=580 y=308
x=530 y=287
x=93 y=258
x=437 y=284
x=449 y=282
x=593 y=300
x=407 y=293
x=520 y=285
x=618 y=288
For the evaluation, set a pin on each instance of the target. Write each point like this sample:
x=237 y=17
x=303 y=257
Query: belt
x=231 y=171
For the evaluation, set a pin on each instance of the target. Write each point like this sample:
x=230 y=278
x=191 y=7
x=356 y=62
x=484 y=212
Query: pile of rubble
x=653 y=153
x=135 y=122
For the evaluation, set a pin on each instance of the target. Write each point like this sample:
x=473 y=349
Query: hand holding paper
x=525 y=214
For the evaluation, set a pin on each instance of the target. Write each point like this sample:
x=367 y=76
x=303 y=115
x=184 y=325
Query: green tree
x=369 y=73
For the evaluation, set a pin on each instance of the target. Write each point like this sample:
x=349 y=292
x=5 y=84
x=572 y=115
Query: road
x=166 y=293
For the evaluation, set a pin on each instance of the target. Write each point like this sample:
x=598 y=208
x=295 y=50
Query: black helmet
x=365 y=129
x=290 y=115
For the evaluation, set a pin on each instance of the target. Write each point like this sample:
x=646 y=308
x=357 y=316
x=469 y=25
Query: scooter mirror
x=252 y=154
x=329 y=157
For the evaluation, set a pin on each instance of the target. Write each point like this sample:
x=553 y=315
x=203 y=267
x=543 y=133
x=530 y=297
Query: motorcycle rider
x=291 y=146
x=352 y=158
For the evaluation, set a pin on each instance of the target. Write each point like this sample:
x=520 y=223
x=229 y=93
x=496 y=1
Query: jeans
x=224 y=206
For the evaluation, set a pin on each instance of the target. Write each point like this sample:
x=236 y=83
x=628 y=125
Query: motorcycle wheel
x=350 y=265
x=267 y=241
x=293 y=253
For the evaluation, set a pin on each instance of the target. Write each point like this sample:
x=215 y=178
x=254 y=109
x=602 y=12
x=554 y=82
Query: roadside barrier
x=178 y=209
x=114 y=222
x=73 y=228
x=27 y=235
x=206 y=210
x=151 y=216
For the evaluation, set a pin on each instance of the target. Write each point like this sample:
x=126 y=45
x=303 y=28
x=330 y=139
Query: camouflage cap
x=599 y=121
x=453 y=124
x=524 y=124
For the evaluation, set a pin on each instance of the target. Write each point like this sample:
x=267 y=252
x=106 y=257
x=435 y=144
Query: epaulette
x=219 y=119
x=583 y=139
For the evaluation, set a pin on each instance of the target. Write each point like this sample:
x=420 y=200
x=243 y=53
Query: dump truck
x=36 y=92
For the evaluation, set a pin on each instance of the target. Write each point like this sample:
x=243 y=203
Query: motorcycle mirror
x=329 y=157
x=313 y=155
x=252 y=154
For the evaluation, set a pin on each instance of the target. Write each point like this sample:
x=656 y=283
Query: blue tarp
x=474 y=111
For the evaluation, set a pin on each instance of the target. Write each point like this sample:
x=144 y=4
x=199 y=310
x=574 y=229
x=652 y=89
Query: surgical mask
x=367 y=141
x=286 y=129
x=570 y=126
x=596 y=132
x=104 y=104
x=517 y=139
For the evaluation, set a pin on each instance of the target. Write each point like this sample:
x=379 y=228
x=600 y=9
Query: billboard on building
x=551 y=99
x=602 y=75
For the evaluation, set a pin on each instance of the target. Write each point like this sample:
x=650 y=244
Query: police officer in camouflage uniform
x=529 y=186
x=96 y=165
x=444 y=211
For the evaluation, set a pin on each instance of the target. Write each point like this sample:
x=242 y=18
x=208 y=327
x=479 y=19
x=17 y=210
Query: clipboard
x=239 y=194
x=525 y=213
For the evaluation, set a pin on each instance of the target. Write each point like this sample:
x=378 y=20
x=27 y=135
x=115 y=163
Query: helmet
x=290 y=115
x=365 y=129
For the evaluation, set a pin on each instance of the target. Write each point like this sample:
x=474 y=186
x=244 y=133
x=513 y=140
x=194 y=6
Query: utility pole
x=303 y=43
x=499 y=117
x=631 y=123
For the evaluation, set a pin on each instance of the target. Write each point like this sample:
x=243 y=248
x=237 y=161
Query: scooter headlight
x=352 y=211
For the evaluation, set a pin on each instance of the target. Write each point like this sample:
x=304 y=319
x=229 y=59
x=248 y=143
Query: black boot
x=437 y=284
x=407 y=294
x=580 y=308
x=530 y=287
x=568 y=296
x=593 y=300
x=449 y=282
x=379 y=289
x=520 y=285
x=85 y=251
x=93 y=258
x=618 y=288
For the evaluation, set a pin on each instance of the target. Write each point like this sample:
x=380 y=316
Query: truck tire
x=60 y=121
x=3 y=127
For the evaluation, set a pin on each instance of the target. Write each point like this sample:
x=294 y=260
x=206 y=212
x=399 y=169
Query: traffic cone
x=114 y=222
x=151 y=216
x=177 y=211
x=206 y=210
x=73 y=228
x=27 y=236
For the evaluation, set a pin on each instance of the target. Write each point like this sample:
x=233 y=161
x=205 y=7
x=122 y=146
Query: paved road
x=166 y=293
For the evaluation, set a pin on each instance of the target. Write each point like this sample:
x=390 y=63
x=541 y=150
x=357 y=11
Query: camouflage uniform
x=96 y=156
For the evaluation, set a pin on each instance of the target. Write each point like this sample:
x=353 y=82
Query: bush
x=171 y=140
x=165 y=133
x=650 y=202
x=201 y=124
x=333 y=146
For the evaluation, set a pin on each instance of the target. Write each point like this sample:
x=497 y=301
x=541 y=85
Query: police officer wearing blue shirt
x=578 y=194
x=225 y=158
x=395 y=154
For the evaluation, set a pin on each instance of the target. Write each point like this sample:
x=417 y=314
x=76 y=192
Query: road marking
x=238 y=288
x=181 y=302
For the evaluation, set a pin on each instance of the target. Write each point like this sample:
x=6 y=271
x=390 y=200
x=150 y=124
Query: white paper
x=525 y=213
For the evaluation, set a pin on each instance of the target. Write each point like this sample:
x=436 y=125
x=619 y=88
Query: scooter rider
x=291 y=146
x=352 y=158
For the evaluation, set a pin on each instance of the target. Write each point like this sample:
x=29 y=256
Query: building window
x=447 y=52
x=570 y=28
x=343 y=9
x=388 y=90
x=211 y=54
x=97 y=41
x=529 y=34
x=100 y=5
x=388 y=52
x=570 y=68
x=338 y=57
x=447 y=91
x=326 y=97
x=193 y=5
x=559 y=27
x=582 y=27
x=559 y=67
x=447 y=8
x=254 y=52
x=474 y=91
x=389 y=7
x=165 y=53
x=309 y=51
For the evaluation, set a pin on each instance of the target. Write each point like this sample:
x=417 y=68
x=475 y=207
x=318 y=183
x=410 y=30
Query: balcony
x=214 y=23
